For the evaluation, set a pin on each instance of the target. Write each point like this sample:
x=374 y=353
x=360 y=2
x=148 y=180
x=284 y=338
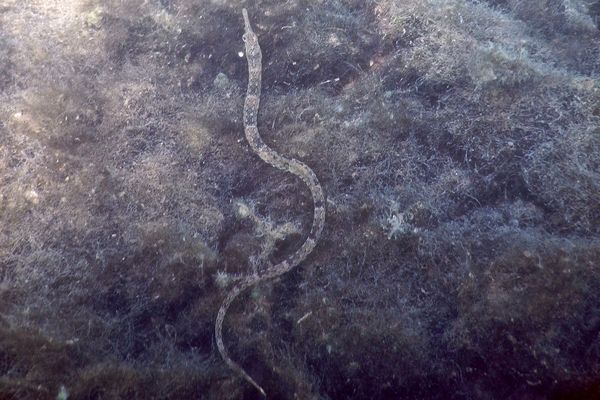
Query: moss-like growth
x=458 y=146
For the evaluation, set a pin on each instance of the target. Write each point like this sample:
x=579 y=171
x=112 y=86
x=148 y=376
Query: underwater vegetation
x=457 y=143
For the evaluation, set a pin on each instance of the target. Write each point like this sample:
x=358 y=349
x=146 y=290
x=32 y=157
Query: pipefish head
x=249 y=37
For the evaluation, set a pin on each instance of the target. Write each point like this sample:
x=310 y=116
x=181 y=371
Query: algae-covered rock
x=456 y=141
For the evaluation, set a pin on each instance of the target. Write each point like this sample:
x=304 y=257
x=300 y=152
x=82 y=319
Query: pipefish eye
x=245 y=37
